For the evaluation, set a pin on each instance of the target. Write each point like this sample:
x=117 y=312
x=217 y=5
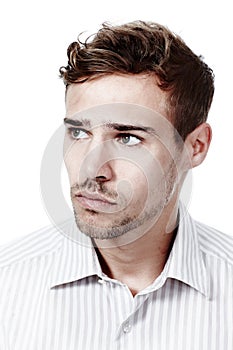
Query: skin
x=125 y=184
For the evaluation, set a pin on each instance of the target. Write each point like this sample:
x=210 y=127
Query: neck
x=137 y=264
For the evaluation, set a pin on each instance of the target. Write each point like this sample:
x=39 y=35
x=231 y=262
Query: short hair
x=150 y=48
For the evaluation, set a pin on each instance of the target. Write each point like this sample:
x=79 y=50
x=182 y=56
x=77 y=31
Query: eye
x=128 y=139
x=77 y=133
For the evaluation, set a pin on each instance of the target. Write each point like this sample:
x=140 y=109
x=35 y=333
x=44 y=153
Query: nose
x=97 y=164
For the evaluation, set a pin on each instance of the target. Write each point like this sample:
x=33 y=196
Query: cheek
x=164 y=159
x=72 y=161
x=131 y=185
x=152 y=172
x=144 y=186
x=134 y=180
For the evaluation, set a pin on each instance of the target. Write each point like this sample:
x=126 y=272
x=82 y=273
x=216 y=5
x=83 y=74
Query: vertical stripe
x=53 y=295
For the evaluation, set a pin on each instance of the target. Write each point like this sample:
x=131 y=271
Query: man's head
x=152 y=49
x=135 y=94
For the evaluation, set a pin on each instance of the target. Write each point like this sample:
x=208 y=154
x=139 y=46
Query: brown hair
x=146 y=47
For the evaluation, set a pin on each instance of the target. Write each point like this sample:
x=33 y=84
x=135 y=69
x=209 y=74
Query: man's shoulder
x=34 y=245
x=215 y=243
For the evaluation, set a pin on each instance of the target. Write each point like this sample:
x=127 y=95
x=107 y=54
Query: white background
x=34 y=37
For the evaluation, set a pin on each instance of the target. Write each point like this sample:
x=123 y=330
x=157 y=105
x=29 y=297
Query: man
x=135 y=271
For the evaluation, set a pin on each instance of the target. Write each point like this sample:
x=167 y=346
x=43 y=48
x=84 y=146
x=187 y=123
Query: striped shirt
x=54 y=295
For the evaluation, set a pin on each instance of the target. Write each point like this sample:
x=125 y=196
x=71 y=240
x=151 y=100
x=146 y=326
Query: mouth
x=94 y=201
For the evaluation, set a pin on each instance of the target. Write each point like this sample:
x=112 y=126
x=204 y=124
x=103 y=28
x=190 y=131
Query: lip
x=94 y=201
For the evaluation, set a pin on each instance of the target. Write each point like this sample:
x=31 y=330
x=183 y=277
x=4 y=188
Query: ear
x=198 y=142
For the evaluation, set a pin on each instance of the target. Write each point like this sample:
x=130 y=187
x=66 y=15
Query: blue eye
x=78 y=134
x=129 y=140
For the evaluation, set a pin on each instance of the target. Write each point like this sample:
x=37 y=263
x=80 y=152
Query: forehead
x=141 y=90
x=107 y=115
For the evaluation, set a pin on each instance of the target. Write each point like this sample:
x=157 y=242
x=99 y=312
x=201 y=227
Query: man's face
x=120 y=154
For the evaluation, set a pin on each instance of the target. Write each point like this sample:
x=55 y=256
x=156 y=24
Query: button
x=127 y=327
x=100 y=281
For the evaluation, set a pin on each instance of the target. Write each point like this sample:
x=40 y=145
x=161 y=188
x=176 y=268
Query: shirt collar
x=186 y=262
x=77 y=259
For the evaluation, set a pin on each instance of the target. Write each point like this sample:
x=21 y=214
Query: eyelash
x=71 y=130
x=122 y=135
x=117 y=137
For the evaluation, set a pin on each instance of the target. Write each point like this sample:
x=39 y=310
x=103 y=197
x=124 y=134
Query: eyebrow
x=76 y=122
x=114 y=126
x=125 y=127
